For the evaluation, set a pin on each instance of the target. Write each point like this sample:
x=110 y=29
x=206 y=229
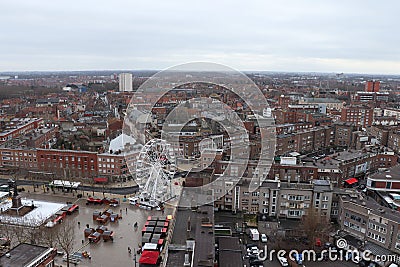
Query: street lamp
x=134 y=256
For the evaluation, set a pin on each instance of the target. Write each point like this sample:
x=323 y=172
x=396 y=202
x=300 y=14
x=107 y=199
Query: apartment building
x=372 y=86
x=372 y=96
x=394 y=141
x=17 y=127
x=289 y=170
x=304 y=141
x=19 y=158
x=297 y=198
x=343 y=133
x=358 y=115
x=111 y=164
x=346 y=164
x=381 y=133
x=328 y=103
x=68 y=163
x=269 y=198
x=274 y=198
x=364 y=218
x=391 y=113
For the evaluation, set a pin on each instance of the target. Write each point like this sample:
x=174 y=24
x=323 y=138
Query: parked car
x=256 y=263
x=110 y=201
x=299 y=258
x=283 y=261
x=251 y=257
x=253 y=251
x=264 y=238
x=251 y=245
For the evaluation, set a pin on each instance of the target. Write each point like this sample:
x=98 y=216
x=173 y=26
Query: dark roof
x=271 y=185
x=351 y=240
x=376 y=249
x=203 y=236
x=394 y=173
x=22 y=255
x=370 y=204
x=322 y=186
x=230 y=253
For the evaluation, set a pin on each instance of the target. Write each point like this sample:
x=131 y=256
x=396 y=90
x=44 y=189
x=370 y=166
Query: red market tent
x=100 y=180
x=149 y=257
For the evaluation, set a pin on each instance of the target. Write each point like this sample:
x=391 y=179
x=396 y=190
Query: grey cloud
x=153 y=34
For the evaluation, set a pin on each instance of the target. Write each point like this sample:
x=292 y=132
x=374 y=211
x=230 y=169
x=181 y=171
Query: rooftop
x=36 y=217
x=230 y=253
x=202 y=235
x=15 y=124
x=390 y=174
x=23 y=254
x=321 y=100
x=370 y=204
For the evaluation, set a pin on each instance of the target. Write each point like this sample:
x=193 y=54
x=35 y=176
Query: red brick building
x=372 y=86
x=359 y=115
x=18 y=127
x=111 y=164
x=68 y=163
x=19 y=158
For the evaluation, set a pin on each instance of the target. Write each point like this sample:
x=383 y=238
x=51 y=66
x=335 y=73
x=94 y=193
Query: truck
x=254 y=234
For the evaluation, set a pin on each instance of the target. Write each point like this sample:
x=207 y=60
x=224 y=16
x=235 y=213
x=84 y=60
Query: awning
x=351 y=181
x=149 y=257
x=101 y=180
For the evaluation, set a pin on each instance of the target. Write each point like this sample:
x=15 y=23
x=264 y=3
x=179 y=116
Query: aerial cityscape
x=138 y=134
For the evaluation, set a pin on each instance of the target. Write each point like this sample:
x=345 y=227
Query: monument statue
x=12 y=184
x=16 y=199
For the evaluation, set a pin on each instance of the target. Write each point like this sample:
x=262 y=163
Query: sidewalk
x=129 y=183
x=71 y=195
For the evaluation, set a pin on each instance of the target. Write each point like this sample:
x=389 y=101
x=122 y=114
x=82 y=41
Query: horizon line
x=158 y=70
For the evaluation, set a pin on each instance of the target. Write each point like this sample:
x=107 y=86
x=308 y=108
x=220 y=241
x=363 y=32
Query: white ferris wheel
x=155 y=168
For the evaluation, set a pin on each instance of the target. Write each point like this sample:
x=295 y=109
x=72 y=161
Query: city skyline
x=334 y=36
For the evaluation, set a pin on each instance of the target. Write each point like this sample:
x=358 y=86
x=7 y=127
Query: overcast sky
x=359 y=36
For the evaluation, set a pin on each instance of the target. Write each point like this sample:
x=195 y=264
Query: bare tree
x=314 y=226
x=48 y=236
x=7 y=232
x=65 y=237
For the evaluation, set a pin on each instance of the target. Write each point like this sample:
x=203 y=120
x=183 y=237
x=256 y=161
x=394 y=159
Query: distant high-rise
x=125 y=82
x=372 y=86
